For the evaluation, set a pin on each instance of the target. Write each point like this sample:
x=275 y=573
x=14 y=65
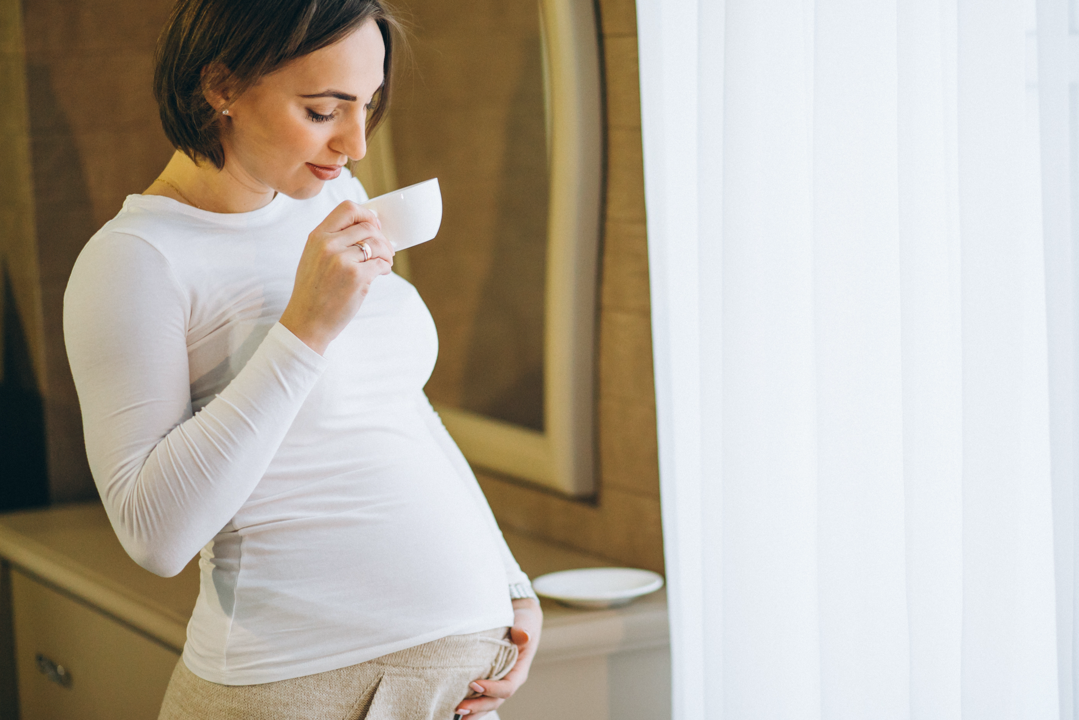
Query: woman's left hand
x=525 y=634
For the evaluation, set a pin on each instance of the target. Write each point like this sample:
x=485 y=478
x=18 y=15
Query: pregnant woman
x=251 y=378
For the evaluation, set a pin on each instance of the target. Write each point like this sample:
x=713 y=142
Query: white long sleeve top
x=337 y=521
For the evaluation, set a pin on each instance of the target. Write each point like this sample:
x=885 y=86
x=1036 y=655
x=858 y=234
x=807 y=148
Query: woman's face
x=298 y=126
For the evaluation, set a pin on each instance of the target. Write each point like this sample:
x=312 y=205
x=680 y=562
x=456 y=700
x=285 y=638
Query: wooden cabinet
x=109 y=670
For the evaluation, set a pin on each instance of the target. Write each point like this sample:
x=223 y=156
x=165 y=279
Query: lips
x=324 y=172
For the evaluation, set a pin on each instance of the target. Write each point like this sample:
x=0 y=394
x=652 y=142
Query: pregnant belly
x=390 y=512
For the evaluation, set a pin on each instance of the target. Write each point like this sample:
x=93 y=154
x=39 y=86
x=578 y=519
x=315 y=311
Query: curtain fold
x=862 y=290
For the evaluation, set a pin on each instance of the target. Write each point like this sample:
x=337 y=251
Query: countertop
x=73 y=548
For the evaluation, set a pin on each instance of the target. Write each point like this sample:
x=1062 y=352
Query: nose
x=353 y=139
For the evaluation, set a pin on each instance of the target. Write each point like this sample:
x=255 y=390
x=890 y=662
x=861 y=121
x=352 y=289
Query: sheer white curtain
x=862 y=282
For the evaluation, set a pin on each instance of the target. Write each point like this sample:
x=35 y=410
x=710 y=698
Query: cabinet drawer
x=111 y=670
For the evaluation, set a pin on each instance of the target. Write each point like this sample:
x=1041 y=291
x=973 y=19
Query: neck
x=208 y=188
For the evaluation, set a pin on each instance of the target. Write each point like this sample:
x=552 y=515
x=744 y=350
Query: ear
x=217 y=86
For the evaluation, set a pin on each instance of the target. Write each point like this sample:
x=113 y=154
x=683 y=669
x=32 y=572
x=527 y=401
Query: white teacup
x=411 y=215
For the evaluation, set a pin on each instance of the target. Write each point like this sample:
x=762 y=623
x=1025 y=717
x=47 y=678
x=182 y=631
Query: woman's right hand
x=333 y=279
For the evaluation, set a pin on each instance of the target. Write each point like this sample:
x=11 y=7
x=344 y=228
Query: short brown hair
x=249 y=39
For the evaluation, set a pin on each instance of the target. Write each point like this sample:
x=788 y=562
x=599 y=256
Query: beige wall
x=89 y=123
x=623 y=523
x=18 y=252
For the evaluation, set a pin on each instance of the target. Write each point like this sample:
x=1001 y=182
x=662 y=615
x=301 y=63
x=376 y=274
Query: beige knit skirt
x=422 y=683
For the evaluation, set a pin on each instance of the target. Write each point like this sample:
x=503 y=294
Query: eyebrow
x=334 y=94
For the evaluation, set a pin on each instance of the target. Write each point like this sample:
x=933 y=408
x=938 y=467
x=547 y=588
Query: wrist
x=527 y=605
x=309 y=337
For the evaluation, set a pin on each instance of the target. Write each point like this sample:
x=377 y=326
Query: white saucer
x=597 y=587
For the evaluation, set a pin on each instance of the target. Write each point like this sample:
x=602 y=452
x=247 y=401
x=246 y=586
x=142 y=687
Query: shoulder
x=127 y=253
x=126 y=243
x=144 y=222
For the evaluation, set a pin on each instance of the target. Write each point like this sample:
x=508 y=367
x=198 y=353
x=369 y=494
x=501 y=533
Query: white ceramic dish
x=411 y=215
x=597 y=587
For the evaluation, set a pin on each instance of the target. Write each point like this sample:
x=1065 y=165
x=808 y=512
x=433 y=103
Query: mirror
x=502 y=104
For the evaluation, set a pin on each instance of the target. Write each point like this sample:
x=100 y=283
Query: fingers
x=363 y=265
x=371 y=236
x=377 y=248
x=492 y=693
x=474 y=707
x=383 y=267
x=365 y=251
x=501 y=689
x=347 y=225
x=346 y=215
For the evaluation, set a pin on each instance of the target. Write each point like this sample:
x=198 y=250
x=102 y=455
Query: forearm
x=168 y=503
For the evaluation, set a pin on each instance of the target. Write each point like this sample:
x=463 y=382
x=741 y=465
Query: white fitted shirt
x=337 y=521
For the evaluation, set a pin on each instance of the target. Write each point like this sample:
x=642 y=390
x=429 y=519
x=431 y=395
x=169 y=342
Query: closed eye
x=316 y=117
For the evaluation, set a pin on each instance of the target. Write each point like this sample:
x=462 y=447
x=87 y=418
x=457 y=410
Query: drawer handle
x=53 y=671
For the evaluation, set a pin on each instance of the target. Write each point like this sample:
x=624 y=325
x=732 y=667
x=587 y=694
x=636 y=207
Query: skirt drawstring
x=504 y=661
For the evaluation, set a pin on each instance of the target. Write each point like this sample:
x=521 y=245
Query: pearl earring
x=225 y=111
